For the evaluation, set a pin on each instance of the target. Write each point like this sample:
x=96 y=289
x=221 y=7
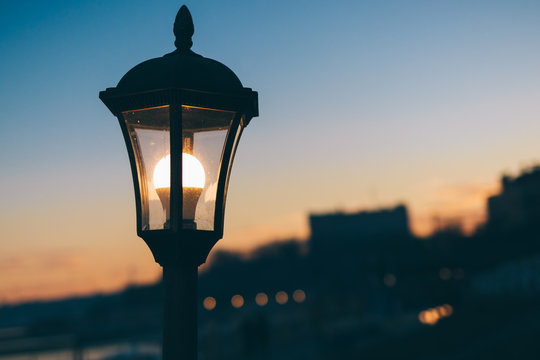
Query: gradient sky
x=363 y=104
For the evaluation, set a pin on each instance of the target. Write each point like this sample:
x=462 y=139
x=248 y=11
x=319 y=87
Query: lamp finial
x=183 y=29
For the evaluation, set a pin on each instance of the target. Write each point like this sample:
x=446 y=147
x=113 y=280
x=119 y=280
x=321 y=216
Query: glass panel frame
x=243 y=105
x=204 y=136
x=147 y=135
x=227 y=159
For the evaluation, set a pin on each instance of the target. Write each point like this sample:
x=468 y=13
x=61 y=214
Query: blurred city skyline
x=362 y=286
x=363 y=105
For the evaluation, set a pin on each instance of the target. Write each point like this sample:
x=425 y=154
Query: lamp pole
x=181 y=116
x=180 y=312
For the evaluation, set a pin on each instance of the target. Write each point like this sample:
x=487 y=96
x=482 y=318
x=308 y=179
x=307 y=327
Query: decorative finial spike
x=183 y=29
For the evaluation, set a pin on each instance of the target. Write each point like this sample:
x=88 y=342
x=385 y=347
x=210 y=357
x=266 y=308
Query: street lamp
x=182 y=116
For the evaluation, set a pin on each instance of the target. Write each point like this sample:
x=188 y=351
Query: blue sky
x=363 y=104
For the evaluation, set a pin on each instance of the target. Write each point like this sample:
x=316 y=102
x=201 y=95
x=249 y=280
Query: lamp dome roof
x=180 y=69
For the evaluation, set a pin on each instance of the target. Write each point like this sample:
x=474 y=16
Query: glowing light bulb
x=193 y=180
x=192 y=172
x=193 y=183
x=162 y=173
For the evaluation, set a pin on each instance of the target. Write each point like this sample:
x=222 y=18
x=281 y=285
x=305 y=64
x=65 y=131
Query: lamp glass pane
x=149 y=132
x=204 y=132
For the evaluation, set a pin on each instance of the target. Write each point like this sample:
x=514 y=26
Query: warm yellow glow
x=209 y=303
x=433 y=315
x=422 y=317
x=162 y=173
x=192 y=172
x=430 y=317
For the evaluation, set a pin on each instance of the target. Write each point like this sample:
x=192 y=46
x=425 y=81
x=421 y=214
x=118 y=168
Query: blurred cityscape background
x=362 y=287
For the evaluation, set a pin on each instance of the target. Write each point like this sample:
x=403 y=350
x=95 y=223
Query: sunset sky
x=363 y=104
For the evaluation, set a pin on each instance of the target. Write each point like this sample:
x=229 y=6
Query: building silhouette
x=517 y=207
x=357 y=231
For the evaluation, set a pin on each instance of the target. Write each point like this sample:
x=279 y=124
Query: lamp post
x=182 y=116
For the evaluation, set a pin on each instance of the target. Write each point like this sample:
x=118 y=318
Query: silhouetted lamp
x=182 y=116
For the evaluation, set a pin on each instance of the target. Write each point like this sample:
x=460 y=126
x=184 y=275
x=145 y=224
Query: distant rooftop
x=362 y=225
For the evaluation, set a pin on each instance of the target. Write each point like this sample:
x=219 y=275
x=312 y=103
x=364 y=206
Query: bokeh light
x=237 y=301
x=299 y=296
x=433 y=315
x=261 y=299
x=209 y=303
x=282 y=297
x=448 y=309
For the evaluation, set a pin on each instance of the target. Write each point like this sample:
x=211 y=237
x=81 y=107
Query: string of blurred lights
x=432 y=316
x=261 y=299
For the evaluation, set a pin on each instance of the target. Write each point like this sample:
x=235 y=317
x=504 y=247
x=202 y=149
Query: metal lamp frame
x=177 y=244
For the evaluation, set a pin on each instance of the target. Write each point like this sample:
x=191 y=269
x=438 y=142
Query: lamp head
x=182 y=116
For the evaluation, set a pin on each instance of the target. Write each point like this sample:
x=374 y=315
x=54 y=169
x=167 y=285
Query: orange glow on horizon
x=51 y=287
x=446 y=204
x=101 y=264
